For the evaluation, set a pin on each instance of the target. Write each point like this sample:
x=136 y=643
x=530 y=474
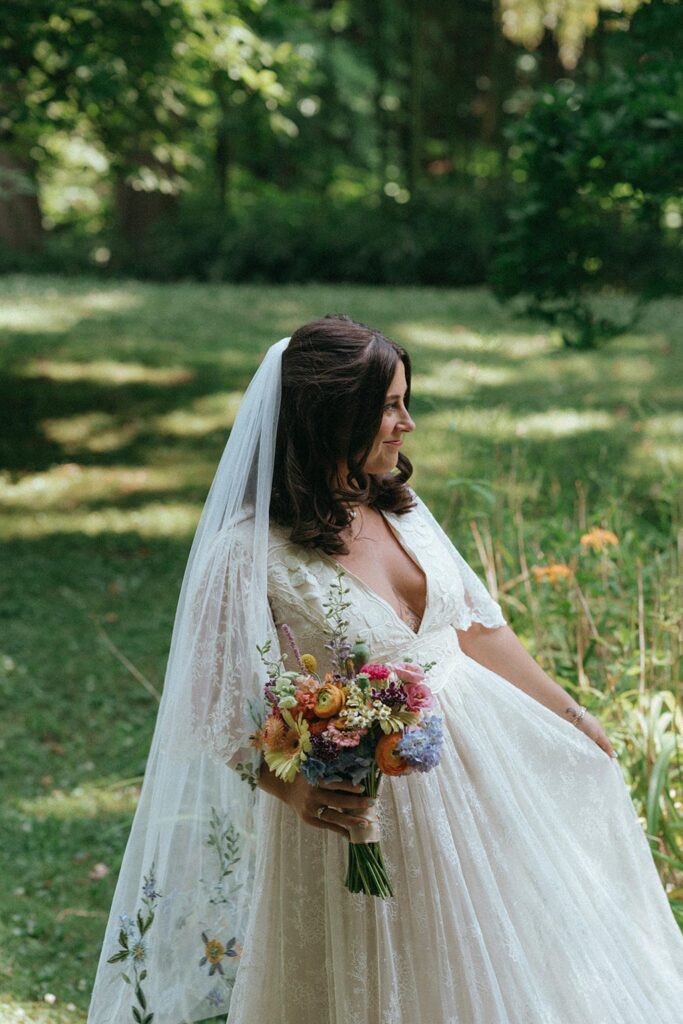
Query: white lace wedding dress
x=525 y=890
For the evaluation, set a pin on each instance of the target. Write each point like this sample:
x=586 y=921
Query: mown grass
x=115 y=403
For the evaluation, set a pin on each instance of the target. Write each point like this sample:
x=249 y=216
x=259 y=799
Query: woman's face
x=396 y=422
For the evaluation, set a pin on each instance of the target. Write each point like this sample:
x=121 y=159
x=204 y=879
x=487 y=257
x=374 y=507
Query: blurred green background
x=498 y=188
x=535 y=146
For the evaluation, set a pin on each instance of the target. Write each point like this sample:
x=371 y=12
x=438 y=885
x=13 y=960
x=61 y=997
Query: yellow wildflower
x=598 y=539
x=309 y=662
x=552 y=573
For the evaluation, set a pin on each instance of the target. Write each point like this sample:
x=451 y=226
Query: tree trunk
x=21 y=226
x=222 y=149
x=137 y=210
x=417 y=74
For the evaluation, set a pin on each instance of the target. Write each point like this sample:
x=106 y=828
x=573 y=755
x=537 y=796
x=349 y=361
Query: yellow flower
x=598 y=539
x=296 y=743
x=309 y=662
x=553 y=572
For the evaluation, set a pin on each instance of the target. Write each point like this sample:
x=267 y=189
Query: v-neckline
x=378 y=597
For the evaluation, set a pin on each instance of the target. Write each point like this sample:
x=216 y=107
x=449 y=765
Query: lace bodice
x=299 y=581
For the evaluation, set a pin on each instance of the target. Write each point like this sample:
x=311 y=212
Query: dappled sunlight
x=500 y=424
x=30 y=317
x=55 y=310
x=107 y=371
x=460 y=338
x=665 y=425
x=456 y=337
x=521 y=346
x=87 y=801
x=663 y=456
x=68 y=485
x=563 y=423
x=204 y=415
x=91 y=431
x=458 y=377
x=14 y=1012
x=157 y=519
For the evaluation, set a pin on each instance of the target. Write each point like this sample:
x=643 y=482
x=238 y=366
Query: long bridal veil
x=173 y=940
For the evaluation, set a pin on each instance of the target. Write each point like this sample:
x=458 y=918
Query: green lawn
x=115 y=405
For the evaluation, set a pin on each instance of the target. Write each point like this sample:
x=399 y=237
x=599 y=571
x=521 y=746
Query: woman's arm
x=500 y=651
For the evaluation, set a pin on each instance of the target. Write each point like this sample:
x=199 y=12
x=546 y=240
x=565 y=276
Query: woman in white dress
x=524 y=888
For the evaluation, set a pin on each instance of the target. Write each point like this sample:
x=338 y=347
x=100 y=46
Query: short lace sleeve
x=478 y=604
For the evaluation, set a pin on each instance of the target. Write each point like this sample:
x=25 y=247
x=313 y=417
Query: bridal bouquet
x=358 y=722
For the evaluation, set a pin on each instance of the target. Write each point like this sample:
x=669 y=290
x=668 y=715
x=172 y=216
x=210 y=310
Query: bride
x=524 y=887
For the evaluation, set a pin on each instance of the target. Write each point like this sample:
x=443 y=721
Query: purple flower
x=421 y=746
x=394 y=695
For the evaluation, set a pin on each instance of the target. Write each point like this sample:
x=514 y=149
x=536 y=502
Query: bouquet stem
x=367 y=871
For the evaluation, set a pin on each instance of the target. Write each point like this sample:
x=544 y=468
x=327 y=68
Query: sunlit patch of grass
x=107 y=371
x=157 y=519
x=500 y=424
x=457 y=378
x=562 y=423
x=69 y=484
x=206 y=414
x=668 y=425
x=13 y=1012
x=86 y=801
x=91 y=432
x=664 y=456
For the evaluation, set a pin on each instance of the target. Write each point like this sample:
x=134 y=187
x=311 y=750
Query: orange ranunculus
x=329 y=700
x=388 y=760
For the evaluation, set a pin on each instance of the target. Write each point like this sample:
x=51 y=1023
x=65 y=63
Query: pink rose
x=408 y=672
x=418 y=696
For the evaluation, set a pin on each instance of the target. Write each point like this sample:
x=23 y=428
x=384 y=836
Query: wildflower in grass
x=598 y=539
x=551 y=573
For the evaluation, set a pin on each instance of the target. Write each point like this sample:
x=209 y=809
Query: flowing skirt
x=525 y=889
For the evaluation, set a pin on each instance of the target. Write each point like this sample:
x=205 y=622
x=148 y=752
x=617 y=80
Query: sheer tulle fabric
x=188 y=866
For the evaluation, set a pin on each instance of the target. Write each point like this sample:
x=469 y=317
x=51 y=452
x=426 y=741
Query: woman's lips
x=396 y=444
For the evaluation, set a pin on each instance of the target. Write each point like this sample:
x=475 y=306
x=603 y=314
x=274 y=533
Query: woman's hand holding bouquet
x=332 y=738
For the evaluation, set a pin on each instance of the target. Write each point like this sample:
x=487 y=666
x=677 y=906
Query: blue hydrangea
x=421 y=747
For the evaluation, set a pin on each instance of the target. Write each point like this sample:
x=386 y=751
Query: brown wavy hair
x=335 y=376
